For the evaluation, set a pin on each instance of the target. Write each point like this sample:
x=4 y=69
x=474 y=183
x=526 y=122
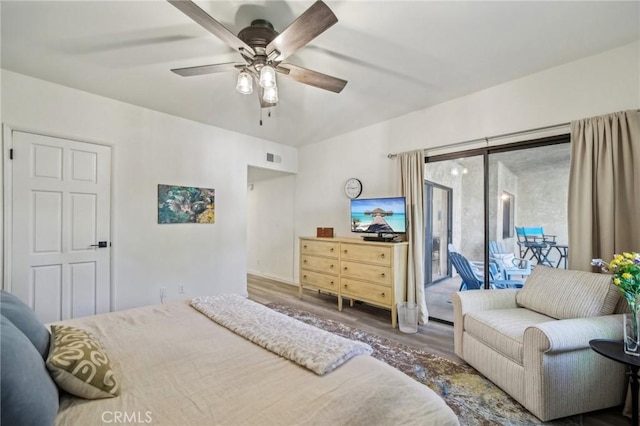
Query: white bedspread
x=180 y=368
x=304 y=344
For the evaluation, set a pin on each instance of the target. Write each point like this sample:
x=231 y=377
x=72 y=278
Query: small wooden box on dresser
x=372 y=272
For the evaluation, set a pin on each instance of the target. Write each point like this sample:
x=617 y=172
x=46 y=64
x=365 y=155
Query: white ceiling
x=397 y=56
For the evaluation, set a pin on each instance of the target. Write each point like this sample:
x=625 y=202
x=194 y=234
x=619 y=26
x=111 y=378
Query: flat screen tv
x=384 y=217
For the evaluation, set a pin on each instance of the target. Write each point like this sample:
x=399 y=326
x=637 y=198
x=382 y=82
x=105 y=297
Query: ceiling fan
x=264 y=50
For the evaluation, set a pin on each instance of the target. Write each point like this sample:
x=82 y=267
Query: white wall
x=592 y=86
x=1 y=165
x=151 y=148
x=270 y=223
x=600 y=84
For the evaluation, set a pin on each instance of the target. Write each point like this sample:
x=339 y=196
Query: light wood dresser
x=354 y=269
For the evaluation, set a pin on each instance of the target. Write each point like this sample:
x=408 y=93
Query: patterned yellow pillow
x=79 y=364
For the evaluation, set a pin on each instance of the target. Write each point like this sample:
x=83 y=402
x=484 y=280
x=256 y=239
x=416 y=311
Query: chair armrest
x=483 y=300
x=572 y=334
x=521 y=263
x=477 y=265
x=477 y=300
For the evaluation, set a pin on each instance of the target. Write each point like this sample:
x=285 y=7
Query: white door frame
x=7 y=197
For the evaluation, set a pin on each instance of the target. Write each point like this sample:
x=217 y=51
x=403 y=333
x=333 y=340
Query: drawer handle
x=346 y=251
x=330 y=266
x=304 y=246
x=304 y=261
x=345 y=286
x=304 y=276
x=331 y=283
x=382 y=256
x=382 y=295
x=331 y=249
x=345 y=268
x=382 y=275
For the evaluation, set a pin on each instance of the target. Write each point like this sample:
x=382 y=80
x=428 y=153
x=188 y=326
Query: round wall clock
x=353 y=188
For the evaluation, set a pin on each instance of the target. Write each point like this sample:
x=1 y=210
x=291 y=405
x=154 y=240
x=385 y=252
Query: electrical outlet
x=163 y=294
x=180 y=289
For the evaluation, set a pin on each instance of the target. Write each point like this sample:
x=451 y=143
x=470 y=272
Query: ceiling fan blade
x=207 y=69
x=313 y=22
x=194 y=12
x=312 y=78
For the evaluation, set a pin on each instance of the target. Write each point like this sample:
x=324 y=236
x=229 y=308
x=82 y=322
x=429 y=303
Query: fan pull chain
x=268 y=115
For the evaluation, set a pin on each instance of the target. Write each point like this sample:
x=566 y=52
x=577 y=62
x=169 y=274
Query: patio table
x=563 y=251
x=541 y=251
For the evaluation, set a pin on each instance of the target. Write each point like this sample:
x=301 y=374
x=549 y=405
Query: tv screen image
x=378 y=215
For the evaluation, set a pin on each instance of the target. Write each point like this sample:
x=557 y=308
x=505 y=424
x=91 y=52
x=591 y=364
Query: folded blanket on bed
x=311 y=347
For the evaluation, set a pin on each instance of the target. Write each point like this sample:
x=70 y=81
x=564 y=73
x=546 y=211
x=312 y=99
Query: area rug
x=474 y=399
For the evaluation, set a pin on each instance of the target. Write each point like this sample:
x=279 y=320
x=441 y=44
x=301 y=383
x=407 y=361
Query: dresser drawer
x=367 y=292
x=320 y=264
x=319 y=248
x=317 y=280
x=366 y=253
x=375 y=273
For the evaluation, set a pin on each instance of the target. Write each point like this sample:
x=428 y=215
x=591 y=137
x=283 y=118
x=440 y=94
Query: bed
x=178 y=367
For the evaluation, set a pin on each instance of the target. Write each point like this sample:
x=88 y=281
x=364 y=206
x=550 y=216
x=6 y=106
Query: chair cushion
x=29 y=395
x=503 y=329
x=564 y=294
x=16 y=311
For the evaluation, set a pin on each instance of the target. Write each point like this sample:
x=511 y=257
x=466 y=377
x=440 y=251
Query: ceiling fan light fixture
x=270 y=95
x=245 y=83
x=267 y=77
x=263 y=50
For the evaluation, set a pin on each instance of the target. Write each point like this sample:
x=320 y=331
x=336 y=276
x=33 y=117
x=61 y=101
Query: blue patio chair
x=533 y=240
x=508 y=264
x=478 y=265
x=472 y=281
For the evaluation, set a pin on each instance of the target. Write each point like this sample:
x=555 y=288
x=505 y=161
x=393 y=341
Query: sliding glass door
x=489 y=193
x=438 y=232
x=454 y=223
x=528 y=189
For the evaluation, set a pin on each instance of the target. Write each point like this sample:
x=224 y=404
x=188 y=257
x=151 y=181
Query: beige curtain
x=412 y=187
x=604 y=188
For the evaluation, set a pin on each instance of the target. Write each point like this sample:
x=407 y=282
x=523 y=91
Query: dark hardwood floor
x=435 y=337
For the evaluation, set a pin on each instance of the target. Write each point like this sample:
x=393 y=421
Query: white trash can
x=408 y=317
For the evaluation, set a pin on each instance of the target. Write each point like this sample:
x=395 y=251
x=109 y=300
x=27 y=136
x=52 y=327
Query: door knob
x=101 y=244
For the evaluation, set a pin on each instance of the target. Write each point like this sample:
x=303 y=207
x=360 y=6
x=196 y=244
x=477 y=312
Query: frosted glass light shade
x=270 y=95
x=245 y=83
x=267 y=77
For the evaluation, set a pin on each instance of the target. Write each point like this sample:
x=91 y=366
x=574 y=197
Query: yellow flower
x=627 y=276
x=616 y=281
x=628 y=255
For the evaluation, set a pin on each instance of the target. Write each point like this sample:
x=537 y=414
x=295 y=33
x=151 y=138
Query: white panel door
x=61 y=212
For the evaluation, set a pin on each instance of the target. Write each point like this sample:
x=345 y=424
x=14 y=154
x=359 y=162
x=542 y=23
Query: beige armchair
x=534 y=342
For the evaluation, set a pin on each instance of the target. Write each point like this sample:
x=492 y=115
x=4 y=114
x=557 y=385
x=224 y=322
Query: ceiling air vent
x=272 y=158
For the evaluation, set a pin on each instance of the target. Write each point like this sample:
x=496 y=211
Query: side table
x=614 y=350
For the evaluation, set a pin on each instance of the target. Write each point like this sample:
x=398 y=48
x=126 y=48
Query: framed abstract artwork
x=186 y=204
